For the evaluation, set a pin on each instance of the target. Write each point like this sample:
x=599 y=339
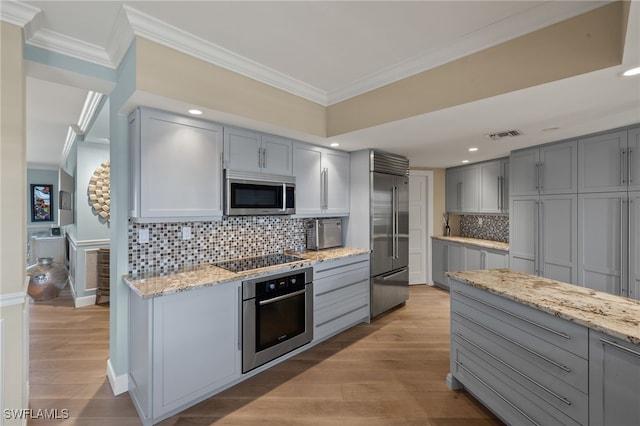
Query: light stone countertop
x=490 y=244
x=613 y=315
x=208 y=275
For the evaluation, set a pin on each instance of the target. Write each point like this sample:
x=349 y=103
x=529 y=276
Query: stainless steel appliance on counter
x=389 y=212
x=324 y=233
x=277 y=316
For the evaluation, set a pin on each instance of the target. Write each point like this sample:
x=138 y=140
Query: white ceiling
x=328 y=51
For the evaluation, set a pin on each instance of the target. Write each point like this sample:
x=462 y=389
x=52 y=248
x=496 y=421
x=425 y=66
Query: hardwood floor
x=389 y=372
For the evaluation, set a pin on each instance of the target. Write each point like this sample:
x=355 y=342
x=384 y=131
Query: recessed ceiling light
x=465 y=161
x=335 y=144
x=473 y=149
x=632 y=71
x=195 y=111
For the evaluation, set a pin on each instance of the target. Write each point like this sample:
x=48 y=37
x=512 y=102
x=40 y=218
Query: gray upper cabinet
x=603 y=163
x=493 y=186
x=634 y=245
x=478 y=188
x=549 y=169
x=463 y=189
x=163 y=146
x=249 y=151
x=633 y=159
x=322 y=180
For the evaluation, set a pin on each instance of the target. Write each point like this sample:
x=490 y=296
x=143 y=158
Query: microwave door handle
x=284 y=197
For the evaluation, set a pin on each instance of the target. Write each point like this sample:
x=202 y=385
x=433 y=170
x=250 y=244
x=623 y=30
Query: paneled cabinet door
x=439 y=248
x=614 y=381
x=523 y=167
x=602 y=163
x=633 y=159
x=602 y=251
x=249 y=151
x=634 y=245
x=277 y=155
x=452 y=189
x=336 y=189
x=307 y=168
x=523 y=234
x=195 y=344
x=491 y=187
x=558 y=243
x=242 y=150
x=455 y=258
x=322 y=180
x=470 y=190
x=473 y=258
x=558 y=168
x=176 y=166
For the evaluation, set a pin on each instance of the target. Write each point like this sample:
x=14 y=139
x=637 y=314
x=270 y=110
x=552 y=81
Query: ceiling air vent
x=506 y=134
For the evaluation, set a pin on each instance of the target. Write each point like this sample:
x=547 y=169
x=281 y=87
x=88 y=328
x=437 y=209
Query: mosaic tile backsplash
x=229 y=238
x=486 y=227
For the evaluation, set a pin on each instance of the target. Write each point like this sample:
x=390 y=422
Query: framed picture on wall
x=41 y=203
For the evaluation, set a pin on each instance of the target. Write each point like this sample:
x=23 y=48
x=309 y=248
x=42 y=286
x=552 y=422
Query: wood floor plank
x=390 y=372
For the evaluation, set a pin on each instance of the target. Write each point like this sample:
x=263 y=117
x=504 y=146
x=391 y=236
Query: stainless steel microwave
x=255 y=194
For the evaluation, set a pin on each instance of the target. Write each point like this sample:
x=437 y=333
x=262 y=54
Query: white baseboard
x=119 y=384
x=81 y=302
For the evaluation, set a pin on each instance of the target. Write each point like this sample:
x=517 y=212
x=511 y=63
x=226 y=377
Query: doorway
x=420 y=226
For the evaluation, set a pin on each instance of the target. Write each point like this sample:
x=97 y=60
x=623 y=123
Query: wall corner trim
x=10 y=299
x=119 y=384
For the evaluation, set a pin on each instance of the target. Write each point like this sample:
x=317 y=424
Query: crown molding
x=60 y=43
x=160 y=32
x=121 y=38
x=17 y=13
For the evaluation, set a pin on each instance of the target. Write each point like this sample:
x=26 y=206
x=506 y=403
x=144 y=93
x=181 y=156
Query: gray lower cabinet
x=614 y=381
x=340 y=295
x=528 y=367
x=183 y=348
x=453 y=256
x=634 y=244
x=439 y=262
x=543 y=236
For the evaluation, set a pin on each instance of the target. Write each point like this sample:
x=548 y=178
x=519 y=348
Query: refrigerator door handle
x=394 y=222
x=393 y=274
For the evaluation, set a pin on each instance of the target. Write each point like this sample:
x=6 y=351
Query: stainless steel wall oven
x=277 y=316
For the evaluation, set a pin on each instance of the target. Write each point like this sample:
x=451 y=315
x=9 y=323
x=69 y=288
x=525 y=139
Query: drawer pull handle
x=498 y=394
x=618 y=346
x=342 y=315
x=339 y=288
x=515 y=370
x=558 y=333
x=513 y=342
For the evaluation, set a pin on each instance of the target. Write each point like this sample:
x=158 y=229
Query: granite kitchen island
x=537 y=351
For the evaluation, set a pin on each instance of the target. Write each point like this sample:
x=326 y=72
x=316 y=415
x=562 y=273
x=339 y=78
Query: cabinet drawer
x=339 y=316
x=335 y=267
x=516 y=319
x=561 y=364
x=329 y=290
x=509 y=399
x=551 y=389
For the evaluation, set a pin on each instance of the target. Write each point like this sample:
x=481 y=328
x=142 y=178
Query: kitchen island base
x=524 y=350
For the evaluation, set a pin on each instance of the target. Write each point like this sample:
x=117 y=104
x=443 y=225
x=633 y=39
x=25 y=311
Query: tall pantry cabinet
x=543 y=219
x=609 y=192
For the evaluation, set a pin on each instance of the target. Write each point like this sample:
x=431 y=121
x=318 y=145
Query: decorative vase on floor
x=47 y=279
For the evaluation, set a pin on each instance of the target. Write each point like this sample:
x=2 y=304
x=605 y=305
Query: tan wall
x=13 y=218
x=172 y=74
x=576 y=46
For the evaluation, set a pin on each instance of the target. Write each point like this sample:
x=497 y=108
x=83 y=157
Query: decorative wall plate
x=98 y=191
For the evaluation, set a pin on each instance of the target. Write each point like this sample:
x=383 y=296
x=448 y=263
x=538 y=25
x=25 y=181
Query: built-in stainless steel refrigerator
x=389 y=212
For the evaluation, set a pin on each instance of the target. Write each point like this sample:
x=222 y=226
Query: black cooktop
x=239 y=265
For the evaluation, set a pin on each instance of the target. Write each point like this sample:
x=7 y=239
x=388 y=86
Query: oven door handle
x=283 y=297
